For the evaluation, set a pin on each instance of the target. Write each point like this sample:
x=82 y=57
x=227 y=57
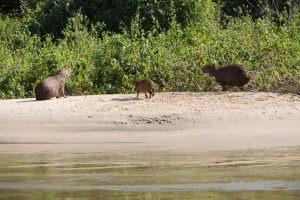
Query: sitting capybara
x=144 y=86
x=232 y=75
x=53 y=86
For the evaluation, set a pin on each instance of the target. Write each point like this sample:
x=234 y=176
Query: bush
x=52 y=15
x=105 y=62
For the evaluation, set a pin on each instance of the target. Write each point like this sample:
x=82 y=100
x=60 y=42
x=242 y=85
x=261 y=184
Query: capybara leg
x=60 y=94
x=224 y=87
x=151 y=93
x=146 y=96
x=66 y=94
x=137 y=96
x=63 y=93
x=241 y=88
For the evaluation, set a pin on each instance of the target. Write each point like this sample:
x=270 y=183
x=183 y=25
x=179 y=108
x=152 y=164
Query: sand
x=168 y=121
x=171 y=146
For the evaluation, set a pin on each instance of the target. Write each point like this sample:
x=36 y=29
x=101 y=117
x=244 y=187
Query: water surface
x=97 y=171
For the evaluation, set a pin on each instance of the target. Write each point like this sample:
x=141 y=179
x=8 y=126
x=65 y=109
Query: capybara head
x=64 y=72
x=135 y=83
x=209 y=69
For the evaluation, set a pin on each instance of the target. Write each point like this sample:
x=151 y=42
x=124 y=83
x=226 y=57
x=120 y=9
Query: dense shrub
x=106 y=62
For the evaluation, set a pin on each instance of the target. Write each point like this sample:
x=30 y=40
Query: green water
x=97 y=173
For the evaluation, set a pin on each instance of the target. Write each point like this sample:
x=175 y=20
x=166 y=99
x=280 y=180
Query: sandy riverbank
x=188 y=121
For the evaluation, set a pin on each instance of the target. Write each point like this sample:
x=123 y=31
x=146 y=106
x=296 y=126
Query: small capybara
x=145 y=86
x=53 y=86
x=232 y=75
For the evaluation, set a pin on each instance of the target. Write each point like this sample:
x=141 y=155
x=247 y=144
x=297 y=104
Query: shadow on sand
x=126 y=99
x=27 y=101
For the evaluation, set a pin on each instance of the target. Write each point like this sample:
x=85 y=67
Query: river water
x=100 y=171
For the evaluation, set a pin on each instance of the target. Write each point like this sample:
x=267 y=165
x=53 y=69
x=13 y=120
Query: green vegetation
x=167 y=41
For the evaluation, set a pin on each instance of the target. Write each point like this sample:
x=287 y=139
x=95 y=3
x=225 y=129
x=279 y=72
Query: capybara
x=144 y=86
x=232 y=75
x=53 y=86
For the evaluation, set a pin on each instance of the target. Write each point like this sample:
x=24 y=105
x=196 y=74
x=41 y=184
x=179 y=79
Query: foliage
x=52 y=15
x=107 y=62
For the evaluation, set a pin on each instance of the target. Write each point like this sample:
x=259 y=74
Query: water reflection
x=99 y=173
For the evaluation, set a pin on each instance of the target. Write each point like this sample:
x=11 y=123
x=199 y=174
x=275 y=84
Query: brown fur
x=231 y=75
x=53 y=86
x=145 y=86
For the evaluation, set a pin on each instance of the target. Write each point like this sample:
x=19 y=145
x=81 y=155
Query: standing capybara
x=53 y=86
x=232 y=75
x=144 y=86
